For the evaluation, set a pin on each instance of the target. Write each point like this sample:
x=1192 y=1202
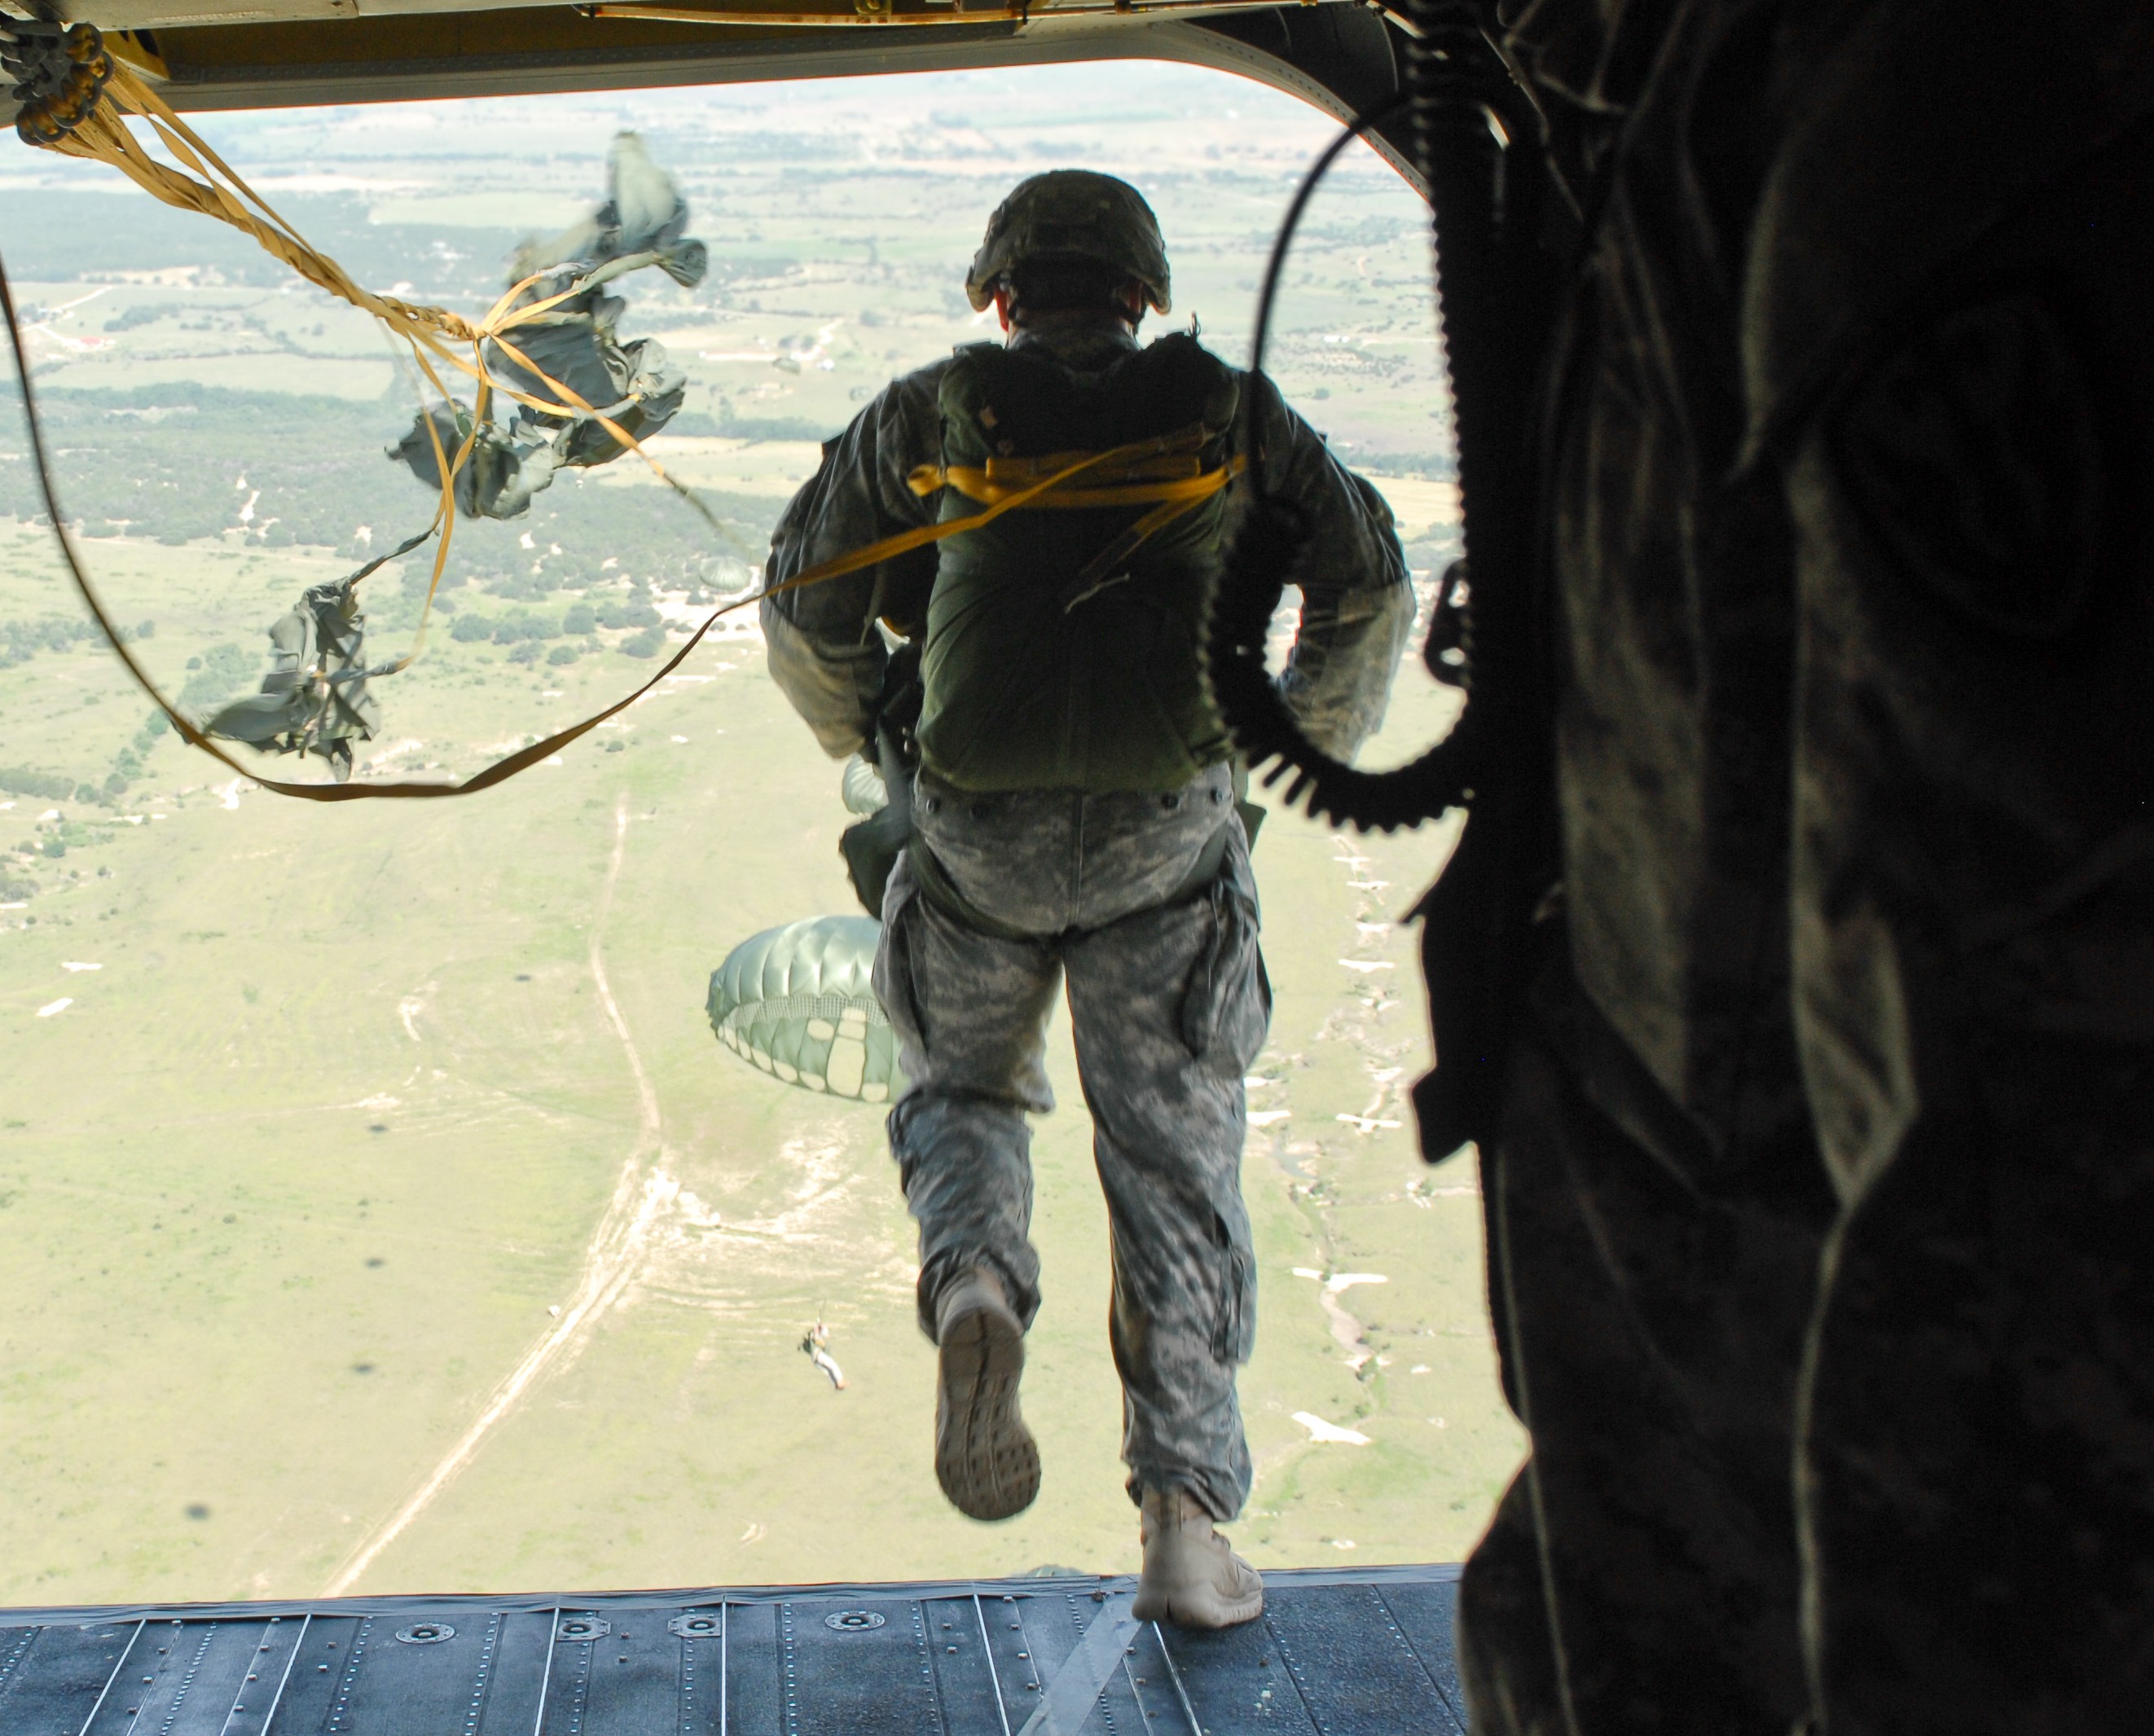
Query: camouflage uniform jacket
x=1357 y=603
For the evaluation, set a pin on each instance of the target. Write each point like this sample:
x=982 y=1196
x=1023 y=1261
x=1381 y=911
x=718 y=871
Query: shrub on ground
x=519 y=625
x=21 y=780
x=628 y=615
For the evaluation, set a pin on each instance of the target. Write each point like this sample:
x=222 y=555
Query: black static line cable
x=1311 y=179
x=39 y=463
x=1242 y=599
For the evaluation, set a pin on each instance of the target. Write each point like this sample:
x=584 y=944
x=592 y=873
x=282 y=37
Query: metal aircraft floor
x=1336 y=1654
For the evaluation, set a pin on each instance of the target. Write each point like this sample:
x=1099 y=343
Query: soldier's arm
x=823 y=650
x=1357 y=600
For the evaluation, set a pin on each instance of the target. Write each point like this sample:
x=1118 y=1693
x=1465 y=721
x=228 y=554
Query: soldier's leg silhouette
x=1641 y=1573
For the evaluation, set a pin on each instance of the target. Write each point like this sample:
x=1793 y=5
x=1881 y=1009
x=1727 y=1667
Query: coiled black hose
x=1465 y=111
x=1478 y=146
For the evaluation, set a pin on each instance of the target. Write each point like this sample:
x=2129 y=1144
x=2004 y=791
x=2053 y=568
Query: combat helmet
x=1072 y=214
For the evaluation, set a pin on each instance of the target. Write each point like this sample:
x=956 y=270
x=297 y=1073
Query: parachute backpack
x=1061 y=645
x=315 y=700
x=575 y=342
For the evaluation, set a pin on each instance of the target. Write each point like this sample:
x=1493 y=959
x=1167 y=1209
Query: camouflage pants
x=1169 y=1004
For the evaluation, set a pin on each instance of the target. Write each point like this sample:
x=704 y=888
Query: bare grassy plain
x=378 y=1211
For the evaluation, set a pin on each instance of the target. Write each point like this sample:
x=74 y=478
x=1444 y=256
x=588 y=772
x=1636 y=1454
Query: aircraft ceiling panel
x=881 y=19
x=1341 y=55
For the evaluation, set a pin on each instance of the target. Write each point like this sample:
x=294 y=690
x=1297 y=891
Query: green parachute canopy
x=798 y=1002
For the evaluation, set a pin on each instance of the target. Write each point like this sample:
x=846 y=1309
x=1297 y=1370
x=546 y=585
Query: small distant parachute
x=799 y=1001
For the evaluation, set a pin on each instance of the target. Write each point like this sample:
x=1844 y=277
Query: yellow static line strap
x=216 y=190
x=980 y=485
x=1046 y=491
x=1172 y=483
x=1165 y=470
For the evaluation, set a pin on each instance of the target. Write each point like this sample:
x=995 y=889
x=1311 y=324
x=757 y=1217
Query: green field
x=380 y=1212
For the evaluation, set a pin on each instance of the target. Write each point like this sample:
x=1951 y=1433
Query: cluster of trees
x=20 y=641
x=585 y=533
x=177 y=464
x=212 y=678
x=127 y=763
x=734 y=426
x=519 y=626
x=21 y=780
x=219 y=674
x=50 y=242
x=526 y=631
x=143 y=313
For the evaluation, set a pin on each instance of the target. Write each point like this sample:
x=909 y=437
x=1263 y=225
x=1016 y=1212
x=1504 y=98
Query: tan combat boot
x=1191 y=1576
x=984 y=1455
